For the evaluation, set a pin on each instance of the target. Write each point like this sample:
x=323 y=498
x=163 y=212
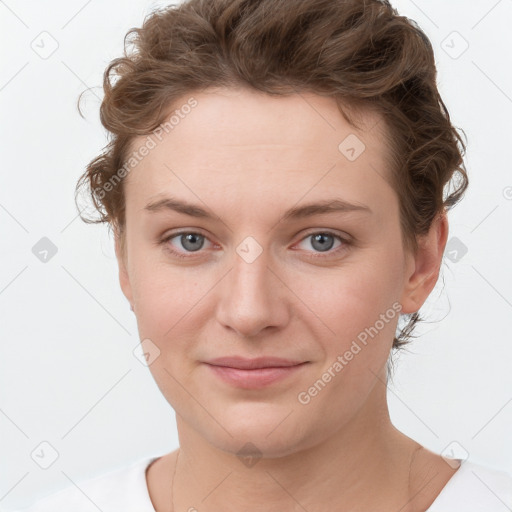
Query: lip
x=253 y=373
x=243 y=363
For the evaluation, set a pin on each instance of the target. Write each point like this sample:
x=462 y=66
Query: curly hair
x=359 y=52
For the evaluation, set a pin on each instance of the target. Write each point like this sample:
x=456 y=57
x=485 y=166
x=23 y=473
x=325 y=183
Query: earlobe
x=426 y=264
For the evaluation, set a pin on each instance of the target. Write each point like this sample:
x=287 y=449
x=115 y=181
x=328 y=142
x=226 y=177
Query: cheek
x=353 y=299
x=359 y=306
x=167 y=300
x=165 y=296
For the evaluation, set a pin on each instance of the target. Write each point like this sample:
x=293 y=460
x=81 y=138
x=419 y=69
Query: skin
x=247 y=158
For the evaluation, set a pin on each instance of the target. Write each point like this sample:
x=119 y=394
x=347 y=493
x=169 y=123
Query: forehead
x=244 y=115
x=250 y=143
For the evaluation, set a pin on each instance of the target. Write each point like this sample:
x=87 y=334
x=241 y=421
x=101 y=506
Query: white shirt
x=472 y=488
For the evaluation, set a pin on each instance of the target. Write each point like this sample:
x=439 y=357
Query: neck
x=365 y=465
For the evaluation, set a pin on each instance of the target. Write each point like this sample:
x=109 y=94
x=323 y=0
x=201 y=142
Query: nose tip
x=252 y=298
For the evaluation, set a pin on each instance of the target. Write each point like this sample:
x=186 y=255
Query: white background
x=68 y=375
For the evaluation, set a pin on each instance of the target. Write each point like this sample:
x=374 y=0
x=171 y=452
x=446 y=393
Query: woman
x=275 y=188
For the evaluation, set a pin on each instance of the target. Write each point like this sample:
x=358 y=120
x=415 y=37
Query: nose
x=253 y=297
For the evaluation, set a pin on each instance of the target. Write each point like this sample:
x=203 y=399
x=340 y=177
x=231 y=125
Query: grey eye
x=191 y=241
x=322 y=241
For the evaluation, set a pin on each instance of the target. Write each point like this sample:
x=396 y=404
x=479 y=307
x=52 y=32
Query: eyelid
x=166 y=238
x=315 y=231
x=345 y=240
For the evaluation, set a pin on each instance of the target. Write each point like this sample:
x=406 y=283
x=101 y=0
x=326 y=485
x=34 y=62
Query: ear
x=424 y=266
x=124 y=279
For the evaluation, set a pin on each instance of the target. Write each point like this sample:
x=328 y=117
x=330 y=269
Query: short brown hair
x=360 y=52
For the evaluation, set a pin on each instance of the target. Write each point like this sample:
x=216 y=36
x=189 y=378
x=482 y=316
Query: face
x=248 y=271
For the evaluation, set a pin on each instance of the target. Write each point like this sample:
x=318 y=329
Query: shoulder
x=475 y=487
x=119 y=489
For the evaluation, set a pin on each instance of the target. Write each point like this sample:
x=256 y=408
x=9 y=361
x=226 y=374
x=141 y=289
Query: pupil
x=191 y=238
x=321 y=238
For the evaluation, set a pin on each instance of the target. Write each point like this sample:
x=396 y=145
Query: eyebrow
x=297 y=212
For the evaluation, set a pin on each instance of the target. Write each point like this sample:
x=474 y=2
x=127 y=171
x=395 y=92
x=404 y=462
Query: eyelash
x=345 y=243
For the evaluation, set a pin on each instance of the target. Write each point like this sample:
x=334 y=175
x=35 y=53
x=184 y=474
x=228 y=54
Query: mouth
x=254 y=373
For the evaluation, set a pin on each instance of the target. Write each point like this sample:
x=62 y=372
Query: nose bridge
x=252 y=297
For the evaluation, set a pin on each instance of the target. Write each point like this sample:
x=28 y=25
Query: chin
x=271 y=433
